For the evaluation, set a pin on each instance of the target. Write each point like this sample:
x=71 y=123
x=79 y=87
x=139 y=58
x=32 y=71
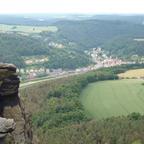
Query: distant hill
x=113 y=36
x=92 y=33
x=40 y=19
x=137 y=19
x=125 y=47
x=25 y=20
x=116 y=37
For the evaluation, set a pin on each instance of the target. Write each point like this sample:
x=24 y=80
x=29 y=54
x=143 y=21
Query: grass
x=113 y=98
x=132 y=73
x=26 y=29
x=137 y=142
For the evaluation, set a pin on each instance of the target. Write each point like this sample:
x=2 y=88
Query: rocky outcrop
x=6 y=126
x=14 y=126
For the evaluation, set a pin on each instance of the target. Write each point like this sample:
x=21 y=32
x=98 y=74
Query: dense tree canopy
x=13 y=47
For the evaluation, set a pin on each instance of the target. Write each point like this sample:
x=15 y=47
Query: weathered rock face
x=6 y=126
x=13 y=121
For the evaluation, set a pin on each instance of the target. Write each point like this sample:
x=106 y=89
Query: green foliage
x=93 y=33
x=62 y=107
x=61 y=118
x=67 y=59
x=134 y=116
x=115 y=37
x=13 y=47
x=118 y=130
x=124 y=47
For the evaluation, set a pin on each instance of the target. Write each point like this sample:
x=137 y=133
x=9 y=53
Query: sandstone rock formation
x=12 y=116
x=6 y=126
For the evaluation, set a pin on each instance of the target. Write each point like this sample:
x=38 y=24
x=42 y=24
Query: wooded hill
x=115 y=37
x=14 y=46
x=92 y=33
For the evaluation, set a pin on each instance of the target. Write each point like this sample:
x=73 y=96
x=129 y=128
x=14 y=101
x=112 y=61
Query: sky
x=72 y=6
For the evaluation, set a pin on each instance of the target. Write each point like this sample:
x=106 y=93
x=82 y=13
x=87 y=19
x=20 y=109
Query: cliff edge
x=14 y=125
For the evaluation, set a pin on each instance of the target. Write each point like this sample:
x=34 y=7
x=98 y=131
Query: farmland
x=26 y=29
x=137 y=73
x=113 y=98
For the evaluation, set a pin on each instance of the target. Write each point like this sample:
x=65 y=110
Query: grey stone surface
x=6 y=126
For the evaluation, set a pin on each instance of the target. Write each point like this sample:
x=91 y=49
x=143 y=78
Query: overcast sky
x=72 y=6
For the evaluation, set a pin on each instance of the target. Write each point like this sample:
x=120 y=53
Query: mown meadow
x=113 y=98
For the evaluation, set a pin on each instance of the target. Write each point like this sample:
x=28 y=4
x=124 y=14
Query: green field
x=113 y=98
x=26 y=29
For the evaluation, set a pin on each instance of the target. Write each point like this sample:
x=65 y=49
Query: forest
x=60 y=116
x=115 y=37
x=93 y=33
x=13 y=47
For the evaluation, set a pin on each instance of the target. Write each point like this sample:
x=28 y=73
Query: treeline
x=123 y=68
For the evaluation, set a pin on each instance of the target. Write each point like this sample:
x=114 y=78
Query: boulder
x=9 y=67
x=6 y=126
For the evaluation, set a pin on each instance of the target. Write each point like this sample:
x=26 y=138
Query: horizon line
x=71 y=13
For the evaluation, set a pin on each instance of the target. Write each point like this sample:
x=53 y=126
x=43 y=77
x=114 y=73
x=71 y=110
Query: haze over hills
x=75 y=33
x=45 y=19
x=40 y=19
x=138 y=19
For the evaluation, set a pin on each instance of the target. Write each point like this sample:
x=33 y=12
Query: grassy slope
x=113 y=98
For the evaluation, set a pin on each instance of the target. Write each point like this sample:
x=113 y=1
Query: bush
x=134 y=116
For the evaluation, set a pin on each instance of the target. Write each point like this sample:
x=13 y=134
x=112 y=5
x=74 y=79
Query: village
x=98 y=56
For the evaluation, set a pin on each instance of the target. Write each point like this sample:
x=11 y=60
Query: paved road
x=29 y=83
